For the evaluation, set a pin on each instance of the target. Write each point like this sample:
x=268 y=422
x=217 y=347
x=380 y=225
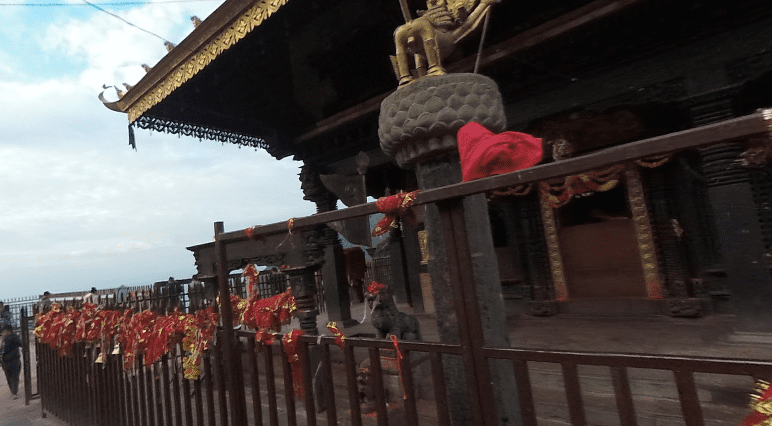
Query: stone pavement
x=13 y=412
x=710 y=336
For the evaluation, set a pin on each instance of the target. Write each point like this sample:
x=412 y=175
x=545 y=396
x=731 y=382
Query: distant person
x=92 y=297
x=175 y=292
x=11 y=358
x=5 y=315
x=44 y=304
x=356 y=268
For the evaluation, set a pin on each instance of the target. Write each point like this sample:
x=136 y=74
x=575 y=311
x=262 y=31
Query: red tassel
x=291 y=343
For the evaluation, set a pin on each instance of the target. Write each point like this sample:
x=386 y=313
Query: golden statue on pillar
x=432 y=36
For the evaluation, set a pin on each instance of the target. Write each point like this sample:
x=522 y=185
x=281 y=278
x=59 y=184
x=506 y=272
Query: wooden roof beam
x=549 y=30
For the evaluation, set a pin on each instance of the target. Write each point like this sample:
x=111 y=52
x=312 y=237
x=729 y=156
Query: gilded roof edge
x=243 y=25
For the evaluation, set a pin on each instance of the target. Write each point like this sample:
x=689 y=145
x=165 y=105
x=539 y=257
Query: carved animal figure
x=387 y=319
x=433 y=35
x=561 y=149
x=365 y=387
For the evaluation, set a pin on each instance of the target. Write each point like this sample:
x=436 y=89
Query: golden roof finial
x=196 y=21
x=169 y=46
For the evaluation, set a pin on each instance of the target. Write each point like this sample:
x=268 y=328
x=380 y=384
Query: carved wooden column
x=666 y=225
x=303 y=285
x=336 y=295
x=553 y=249
x=536 y=256
x=636 y=198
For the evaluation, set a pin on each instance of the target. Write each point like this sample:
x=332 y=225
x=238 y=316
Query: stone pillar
x=336 y=296
x=418 y=126
x=413 y=265
x=537 y=264
x=399 y=280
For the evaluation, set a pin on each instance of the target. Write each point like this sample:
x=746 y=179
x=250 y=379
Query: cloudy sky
x=80 y=208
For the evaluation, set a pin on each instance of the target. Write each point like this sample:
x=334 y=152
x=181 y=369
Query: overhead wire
x=127 y=22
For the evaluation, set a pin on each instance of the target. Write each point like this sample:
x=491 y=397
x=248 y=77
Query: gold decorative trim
x=423 y=245
x=643 y=232
x=247 y=22
x=553 y=248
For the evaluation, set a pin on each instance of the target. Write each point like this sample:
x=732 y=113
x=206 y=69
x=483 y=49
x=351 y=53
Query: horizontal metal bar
x=722 y=132
x=659 y=362
x=373 y=343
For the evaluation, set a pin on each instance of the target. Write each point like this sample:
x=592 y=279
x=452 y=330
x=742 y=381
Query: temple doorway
x=598 y=245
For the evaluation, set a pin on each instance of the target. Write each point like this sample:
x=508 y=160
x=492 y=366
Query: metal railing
x=150 y=396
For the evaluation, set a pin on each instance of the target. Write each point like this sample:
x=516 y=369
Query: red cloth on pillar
x=484 y=153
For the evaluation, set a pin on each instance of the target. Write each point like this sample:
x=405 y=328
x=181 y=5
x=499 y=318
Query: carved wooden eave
x=226 y=26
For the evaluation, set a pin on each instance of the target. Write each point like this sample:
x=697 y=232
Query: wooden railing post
x=25 y=353
x=235 y=383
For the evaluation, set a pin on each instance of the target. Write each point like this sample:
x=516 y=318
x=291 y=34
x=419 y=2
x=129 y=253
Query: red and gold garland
x=392 y=207
x=251 y=274
x=144 y=333
x=592 y=181
x=340 y=338
x=268 y=315
x=761 y=406
x=134 y=336
x=152 y=335
x=199 y=333
x=375 y=287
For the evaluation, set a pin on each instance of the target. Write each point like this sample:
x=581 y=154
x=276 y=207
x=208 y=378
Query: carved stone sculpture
x=433 y=35
x=420 y=121
x=365 y=388
x=387 y=319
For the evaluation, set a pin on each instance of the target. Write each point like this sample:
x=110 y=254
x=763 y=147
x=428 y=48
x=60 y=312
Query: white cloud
x=114 y=50
x=79 y=208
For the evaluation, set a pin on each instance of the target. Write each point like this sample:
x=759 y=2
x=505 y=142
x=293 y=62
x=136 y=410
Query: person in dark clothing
x=11 y=358
x=5 y=315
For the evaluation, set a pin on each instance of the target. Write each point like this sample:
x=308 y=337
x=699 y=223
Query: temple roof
x=306 y=78
x=227 y=25
x=279 y=74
